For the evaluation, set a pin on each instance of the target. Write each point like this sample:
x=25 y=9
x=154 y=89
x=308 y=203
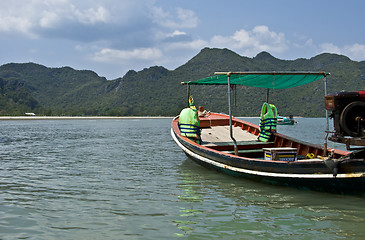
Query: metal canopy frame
x=228 y=74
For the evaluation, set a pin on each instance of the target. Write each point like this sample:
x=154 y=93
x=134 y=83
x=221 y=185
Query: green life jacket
x=189 y=123
x=268 y=120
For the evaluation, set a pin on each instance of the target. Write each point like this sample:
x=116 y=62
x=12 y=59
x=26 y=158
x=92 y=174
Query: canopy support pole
x=188 y=92
x=230 y=115
x=327 y=121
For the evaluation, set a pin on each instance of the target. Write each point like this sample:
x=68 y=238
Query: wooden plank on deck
x=220 y=134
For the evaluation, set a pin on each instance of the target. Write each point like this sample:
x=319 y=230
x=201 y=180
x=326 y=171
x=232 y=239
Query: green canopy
x=271 y=80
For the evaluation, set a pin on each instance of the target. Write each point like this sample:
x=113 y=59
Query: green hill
x=156 y=91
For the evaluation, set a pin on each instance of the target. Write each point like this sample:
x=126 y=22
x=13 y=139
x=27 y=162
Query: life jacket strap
x=189 y=128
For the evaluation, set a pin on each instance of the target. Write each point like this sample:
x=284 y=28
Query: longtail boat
x=285 y=120
x=231 y=145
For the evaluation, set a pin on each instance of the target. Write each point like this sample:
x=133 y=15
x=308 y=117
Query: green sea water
x=127 y=179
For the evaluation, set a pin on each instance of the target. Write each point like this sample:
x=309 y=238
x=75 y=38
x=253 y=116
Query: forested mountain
x=156 y=91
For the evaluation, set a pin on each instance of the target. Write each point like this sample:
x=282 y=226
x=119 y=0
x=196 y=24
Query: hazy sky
x=111 y=37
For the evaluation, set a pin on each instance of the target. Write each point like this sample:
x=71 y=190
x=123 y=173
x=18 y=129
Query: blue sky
x=111 y=37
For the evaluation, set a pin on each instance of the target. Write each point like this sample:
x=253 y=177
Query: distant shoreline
x=74 y=117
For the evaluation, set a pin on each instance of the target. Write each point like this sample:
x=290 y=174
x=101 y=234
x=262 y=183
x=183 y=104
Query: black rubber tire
x=348 y=118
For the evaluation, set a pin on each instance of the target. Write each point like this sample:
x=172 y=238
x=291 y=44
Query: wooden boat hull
x=315 y=174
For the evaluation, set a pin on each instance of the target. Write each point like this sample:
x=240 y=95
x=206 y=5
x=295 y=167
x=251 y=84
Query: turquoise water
x=127 y=179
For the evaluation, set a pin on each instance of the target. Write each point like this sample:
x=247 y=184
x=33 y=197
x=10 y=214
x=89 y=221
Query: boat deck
x=218 y=138
x=217 y=135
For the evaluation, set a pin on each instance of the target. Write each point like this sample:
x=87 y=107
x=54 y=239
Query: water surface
x=127 y=179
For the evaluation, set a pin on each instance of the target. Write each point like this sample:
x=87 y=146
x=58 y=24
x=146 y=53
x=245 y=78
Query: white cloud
x=9 y=24
x=112 y=55
x=187 y=45
x=176 y=33
x=18 y=16
x=91 y=15
x=355 y=52
x=123 y=23
x=28 y=17
x=187 y=18
x=182 y=18
x=48 y=19
x=330 y=48
x=260 y=38
x=162 y=36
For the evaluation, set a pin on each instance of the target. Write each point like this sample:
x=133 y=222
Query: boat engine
x=348 y=113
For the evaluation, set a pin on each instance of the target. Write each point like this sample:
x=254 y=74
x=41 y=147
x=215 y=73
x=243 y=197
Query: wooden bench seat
x=242 y=145
x=247 y=151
